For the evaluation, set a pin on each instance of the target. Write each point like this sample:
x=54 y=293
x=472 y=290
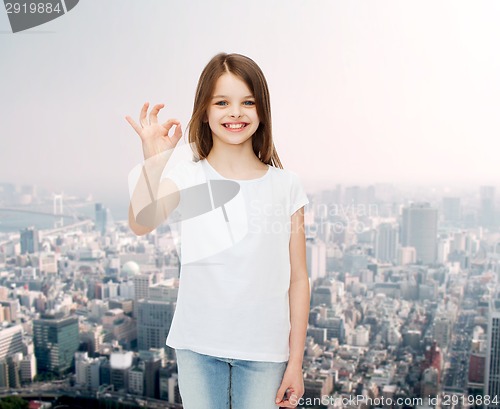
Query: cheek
x=252 y=114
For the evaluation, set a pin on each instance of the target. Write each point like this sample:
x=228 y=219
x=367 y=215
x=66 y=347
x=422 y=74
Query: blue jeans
x=222 y=383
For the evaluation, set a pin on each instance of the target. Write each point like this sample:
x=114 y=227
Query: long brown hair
x=249 y=72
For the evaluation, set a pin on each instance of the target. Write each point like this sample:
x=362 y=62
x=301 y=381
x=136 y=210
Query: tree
x=13 y=402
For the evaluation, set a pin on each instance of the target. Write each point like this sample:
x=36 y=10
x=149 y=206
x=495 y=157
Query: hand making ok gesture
x=154 y=136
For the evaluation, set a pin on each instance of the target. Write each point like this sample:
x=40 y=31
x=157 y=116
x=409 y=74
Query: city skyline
x=387 y=317
x=34 y=198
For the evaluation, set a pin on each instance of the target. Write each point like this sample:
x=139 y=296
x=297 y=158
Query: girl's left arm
x=299 y=296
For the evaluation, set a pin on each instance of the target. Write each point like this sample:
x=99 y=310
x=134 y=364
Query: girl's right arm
x=156 y=197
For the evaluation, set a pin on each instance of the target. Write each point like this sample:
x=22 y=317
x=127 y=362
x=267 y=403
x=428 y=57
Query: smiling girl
x=240 y=322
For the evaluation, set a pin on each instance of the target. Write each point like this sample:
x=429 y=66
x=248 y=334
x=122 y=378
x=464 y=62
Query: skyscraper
x=29 y=240
x=386 y=242
x=11 y=341
x=315 y=258
x=419 y=230
x=492 y=378
x=141 y=285
x=56 y=341
x=152 y=363
x=102 y=218
x=141 y=288
x=153 y=323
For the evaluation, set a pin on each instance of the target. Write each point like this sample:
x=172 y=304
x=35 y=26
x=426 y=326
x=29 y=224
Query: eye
x=221 y=103
x=249 y=103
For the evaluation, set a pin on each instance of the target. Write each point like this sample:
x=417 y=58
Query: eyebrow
x=224 y=96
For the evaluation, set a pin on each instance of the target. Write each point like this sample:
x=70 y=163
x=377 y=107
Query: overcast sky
x=361 y=91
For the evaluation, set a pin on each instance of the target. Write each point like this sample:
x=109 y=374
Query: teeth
x=234 y=126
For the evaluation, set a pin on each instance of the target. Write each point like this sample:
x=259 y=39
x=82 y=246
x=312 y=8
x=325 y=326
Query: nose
x=235 y=111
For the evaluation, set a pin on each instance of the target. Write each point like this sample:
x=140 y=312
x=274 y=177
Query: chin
x=233 y=142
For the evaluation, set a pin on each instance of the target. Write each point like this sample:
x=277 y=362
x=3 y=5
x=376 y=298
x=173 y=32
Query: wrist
x=295 y=363
x=151 y=153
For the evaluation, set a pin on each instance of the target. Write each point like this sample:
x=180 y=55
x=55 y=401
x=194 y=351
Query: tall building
x=11 y=341
x=4 y=374
x=152 y=361
x=442 y=330
x=141 y=285
x=56 y=341
x=487 y=206
x=136 y=379
x=443 y=252
x=142 y=282
x=102 y=218
x=29 y=240
x=477 y=363
x=315 y=258
x=492 y=373
x=28 y=368
x=8 y=310
x=386 y=242
x=153 y=323
x=13 y=368
x=419 y=230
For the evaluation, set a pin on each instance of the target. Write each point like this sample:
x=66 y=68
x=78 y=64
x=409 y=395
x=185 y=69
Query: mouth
x=235 y=125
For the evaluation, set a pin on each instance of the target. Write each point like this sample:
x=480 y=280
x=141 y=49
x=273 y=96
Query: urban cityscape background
x=388 y=112
x=404 y=300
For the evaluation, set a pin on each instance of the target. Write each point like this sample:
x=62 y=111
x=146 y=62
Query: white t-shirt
x=235 y=262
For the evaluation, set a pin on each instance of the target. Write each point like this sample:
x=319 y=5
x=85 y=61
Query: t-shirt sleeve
x=298 y=197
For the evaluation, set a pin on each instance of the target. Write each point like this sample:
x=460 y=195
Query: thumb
x=281 y=392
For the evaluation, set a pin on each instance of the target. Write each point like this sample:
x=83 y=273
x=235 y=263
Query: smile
x=238 y=125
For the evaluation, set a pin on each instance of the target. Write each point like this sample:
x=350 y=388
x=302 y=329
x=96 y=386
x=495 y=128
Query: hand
x=292 y=386
x=154 y=136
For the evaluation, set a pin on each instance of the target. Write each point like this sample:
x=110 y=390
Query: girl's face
x=232 y=114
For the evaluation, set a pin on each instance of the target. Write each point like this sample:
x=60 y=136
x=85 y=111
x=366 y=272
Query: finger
x=170 y=123
x=142 y=115
x=177 y=134
x=280 y=394
x=136 y=127
x=153 y=118
x=289 y=403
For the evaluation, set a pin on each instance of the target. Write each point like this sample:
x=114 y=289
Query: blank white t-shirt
x=235 y=263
